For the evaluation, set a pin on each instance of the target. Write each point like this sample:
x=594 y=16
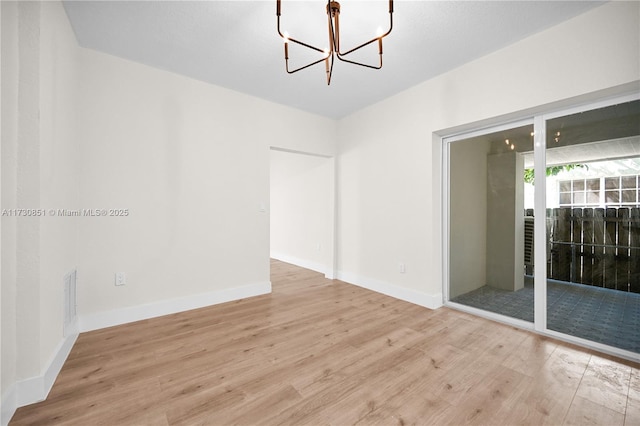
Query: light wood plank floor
x=321 y=352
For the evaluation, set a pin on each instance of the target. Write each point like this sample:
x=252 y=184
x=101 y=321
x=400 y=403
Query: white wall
x=190 y=161
x=59 y=168
x=2 y=387
x=9 y=136
x=39 y=171
x=301 y=209
x=389 y=197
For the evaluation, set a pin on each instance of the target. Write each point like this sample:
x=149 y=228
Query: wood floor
x=321 y=352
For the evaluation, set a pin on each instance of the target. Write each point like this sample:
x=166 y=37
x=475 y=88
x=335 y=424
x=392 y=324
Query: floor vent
x=70 y=324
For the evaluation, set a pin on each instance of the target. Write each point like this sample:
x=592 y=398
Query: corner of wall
x=36 y=388
x=303 y=263
x=430 y=301
x=8 y=404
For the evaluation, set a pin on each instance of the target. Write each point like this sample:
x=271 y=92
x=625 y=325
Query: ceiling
x=234 y=44
x=624 y=151
x=597 y=135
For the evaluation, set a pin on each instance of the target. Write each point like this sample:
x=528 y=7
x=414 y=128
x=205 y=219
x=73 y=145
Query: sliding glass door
x=543 y=224
x=488 y=230
x=593 y=224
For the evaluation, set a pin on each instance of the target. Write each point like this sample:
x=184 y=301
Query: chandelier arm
x=359 y=47
x=361 y=64
x=306 y=45
x=372 y=40
x=288 y=38
x=303 y=67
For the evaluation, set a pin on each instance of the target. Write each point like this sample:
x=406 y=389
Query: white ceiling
x=234 y=44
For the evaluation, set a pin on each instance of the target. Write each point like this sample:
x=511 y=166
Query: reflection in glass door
x=593 y=225
x=490 y=239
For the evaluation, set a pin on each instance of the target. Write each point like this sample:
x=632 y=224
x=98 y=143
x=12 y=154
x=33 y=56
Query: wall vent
x=70 y=323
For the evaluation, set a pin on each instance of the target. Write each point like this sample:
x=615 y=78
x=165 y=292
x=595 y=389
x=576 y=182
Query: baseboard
x=303 y=263
x=37 y=388
x=9 y=405
x=408 y=295
x=136 y=313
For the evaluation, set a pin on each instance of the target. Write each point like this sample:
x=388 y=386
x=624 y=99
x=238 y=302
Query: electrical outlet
x=121 y=278
x=402 y=268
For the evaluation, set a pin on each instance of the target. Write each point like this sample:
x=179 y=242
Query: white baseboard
x=408 y=295
x=303 y=263
x=9 y=405
x=141 y=312
x=37 y=388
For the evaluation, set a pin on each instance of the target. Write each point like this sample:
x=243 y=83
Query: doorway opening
x=302 y=210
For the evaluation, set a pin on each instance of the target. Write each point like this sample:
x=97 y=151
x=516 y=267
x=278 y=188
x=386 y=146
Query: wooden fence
x=595 y=246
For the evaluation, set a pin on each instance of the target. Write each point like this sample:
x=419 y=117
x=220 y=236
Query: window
x=615 y=191
x=621 y=190
x=579 y=192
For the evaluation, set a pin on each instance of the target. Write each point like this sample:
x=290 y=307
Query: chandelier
x=328 y=55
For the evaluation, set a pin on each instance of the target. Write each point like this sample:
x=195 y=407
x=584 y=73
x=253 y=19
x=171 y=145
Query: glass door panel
x=593 y=225
x=490 y=236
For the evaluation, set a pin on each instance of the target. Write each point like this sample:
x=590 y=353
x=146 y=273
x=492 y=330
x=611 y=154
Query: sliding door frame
x=540 y=225
x=539 y=120
x=446 y=155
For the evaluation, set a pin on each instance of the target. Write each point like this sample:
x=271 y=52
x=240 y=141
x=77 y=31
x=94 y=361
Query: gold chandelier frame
x=329 y=55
